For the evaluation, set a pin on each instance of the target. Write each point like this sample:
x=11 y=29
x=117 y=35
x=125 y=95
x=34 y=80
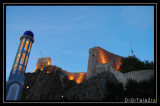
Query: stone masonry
x=98 y=55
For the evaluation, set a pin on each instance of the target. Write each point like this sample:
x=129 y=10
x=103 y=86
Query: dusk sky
x=65 y=33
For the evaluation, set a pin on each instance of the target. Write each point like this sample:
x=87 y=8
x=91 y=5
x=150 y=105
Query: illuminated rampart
x=42 y=62
x=77 y=77
x=107 y=57
x=96 y=55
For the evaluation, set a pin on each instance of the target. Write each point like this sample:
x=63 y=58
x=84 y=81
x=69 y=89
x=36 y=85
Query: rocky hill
x=54 y=85
x=42 y=85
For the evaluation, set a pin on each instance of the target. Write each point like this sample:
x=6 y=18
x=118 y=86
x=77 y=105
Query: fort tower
x=98 y=55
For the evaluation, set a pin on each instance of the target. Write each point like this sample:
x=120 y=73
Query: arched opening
x=22 y=59
x=20 y=67
x=22 y=44
x=13 y=92
x=26 y=45
x=18 y=56
x=29 y=47
x=26 y=60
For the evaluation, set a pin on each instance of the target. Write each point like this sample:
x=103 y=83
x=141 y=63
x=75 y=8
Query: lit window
x=22 y=59
x=15 y=66
x=17 y=57
x=26 y=60
x=29 y=47
x=22 y=44
x=20 y=67
x=49 y=62
x=26 y=45
x=24 y=68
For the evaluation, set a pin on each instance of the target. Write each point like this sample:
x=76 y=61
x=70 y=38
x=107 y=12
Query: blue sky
x=65 y=33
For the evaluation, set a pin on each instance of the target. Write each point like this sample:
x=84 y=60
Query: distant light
x=49 y=62
x=71 y=77
x=48 y=72
x=27 y=87
x=62 y=96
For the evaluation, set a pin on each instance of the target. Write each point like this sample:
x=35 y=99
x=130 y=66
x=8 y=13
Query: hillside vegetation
x=132 y=63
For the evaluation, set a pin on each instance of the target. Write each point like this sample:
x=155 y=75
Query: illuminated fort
x=97 y=55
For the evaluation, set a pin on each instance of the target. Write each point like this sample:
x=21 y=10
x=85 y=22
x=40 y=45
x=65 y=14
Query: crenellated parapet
x=139 y=75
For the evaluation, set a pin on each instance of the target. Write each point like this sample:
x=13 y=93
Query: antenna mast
x=131 y=49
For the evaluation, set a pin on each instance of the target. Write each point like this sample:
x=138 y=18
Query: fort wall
x=77 y=77
x=107 y=57
x=98 y=55
x=99 y=60
x=92 y=61
x=42 y=62
x=137 y=75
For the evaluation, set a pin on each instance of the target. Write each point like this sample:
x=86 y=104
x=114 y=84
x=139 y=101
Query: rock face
x=55 y=86
x=42 y=85
x=93 y=89
x=77 y=77
x=52 y=84
x=101 y=82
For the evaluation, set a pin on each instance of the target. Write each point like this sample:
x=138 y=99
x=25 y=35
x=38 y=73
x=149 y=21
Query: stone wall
x=98 y=55
x=138 y=76
x=77 y=77
x=42 y=62
x=92 y=61
x=93 y=89
x=107 y=57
